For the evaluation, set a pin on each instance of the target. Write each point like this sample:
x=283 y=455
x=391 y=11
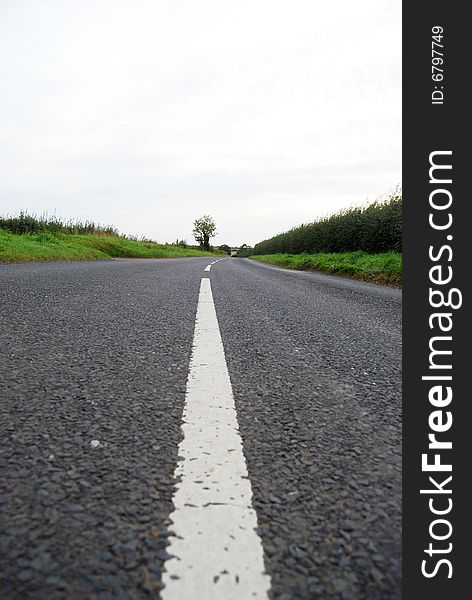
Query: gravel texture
x=94 y=364
x=315 y=365
x=94 y=361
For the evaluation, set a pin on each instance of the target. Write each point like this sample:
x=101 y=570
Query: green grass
x=64 y=246
x=380 y=268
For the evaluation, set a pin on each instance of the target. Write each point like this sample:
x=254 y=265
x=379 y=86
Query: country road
x=289 y=473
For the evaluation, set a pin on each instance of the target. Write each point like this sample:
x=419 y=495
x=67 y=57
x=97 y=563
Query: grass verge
x=380 y=268
x=62 y=246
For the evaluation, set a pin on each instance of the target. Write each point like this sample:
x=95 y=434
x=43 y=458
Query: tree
x=203 y=229
x=225 y=248
x=244 y=251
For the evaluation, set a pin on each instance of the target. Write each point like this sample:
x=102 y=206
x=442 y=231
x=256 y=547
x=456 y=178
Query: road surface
x=101 y=420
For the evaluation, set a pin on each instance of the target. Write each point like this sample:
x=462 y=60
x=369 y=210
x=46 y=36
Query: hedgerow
x=375 y=228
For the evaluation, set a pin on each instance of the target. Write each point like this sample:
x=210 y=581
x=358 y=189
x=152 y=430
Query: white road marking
x=218 y=554
x=207 y=268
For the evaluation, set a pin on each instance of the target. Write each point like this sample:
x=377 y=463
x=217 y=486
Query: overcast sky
x=146 y=114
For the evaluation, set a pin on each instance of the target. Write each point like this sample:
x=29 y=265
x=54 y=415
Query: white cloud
x=147 y=114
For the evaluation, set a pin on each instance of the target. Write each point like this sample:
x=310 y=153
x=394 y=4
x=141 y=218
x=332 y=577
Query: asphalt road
x=94 y=363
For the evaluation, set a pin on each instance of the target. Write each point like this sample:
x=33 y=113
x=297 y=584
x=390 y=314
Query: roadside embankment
x=45 y=246
x=383 y=268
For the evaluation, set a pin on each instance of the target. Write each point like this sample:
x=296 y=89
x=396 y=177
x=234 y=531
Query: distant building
x=234 y=251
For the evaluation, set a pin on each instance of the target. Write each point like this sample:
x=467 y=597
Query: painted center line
x=208 y=268
x=217 y=553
